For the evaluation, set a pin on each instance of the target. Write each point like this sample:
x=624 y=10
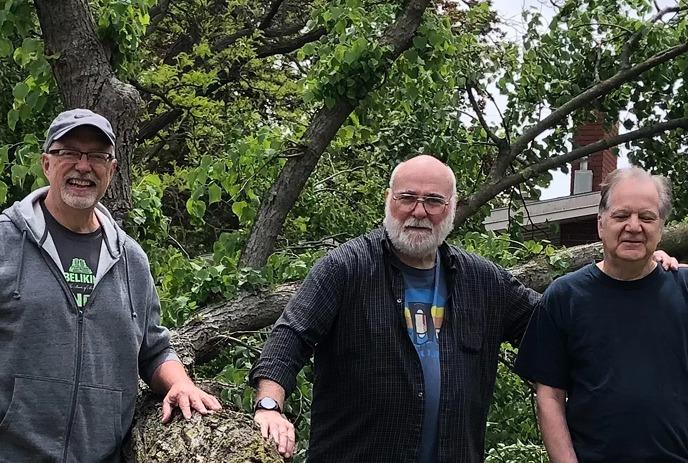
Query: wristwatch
x=267 y=403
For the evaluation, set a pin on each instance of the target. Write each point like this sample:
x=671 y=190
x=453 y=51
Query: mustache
x=89 y=177
x=413 y=222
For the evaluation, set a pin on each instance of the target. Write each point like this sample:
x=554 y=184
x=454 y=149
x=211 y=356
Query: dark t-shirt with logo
x=79 y=254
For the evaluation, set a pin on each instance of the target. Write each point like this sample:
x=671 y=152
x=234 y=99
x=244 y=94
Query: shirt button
x=420 y=395
x=399 y=301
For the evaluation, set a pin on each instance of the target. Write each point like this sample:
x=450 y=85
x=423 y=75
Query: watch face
x=268 y=403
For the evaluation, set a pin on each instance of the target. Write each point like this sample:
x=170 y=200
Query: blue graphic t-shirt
x=425 y=294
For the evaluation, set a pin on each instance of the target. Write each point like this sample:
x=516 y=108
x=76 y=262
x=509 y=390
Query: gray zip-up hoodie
x=68 y=378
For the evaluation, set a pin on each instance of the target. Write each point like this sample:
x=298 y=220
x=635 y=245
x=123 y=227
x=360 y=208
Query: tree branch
x=490 y=190
x=323 y=127
x=197 y=340
x=288 y=46
x=152 y=127
x=591 y=94
x=631 y=43
x=479 y=113
x=157 y=13
x=270 y=15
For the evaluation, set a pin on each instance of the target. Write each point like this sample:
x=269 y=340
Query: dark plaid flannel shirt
x=368 y=385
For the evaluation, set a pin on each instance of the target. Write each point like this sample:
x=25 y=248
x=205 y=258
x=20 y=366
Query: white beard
x=417 y=245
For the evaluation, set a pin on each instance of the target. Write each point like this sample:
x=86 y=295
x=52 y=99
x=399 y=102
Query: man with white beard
x=405 y=332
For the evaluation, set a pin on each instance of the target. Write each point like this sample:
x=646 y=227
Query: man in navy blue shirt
x=608 y=345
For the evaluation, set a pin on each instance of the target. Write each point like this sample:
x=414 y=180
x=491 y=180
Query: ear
x=599 y=226
x=45 y=163
x=387 y=193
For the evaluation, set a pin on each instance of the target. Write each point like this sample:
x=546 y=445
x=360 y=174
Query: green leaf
x=21 y=90
x=31 y=139
x=18 y=174
x=6 y=48
x=419 y=42
x=3 y=192
x=238 y=208
x=4 y=155
x=12 y=119
x=195 y=207
x=214 y=193
x=31 y=45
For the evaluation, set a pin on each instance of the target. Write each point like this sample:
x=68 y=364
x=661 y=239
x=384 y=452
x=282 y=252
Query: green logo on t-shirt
x=81 y=280
x=79 y=266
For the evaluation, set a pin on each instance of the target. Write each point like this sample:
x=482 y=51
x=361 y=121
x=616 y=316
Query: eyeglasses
x=72 y=155
x=432 y=204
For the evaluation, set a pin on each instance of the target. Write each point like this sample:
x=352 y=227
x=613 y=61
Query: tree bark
x=86 y=79
x=305 y=156
x=227 y=436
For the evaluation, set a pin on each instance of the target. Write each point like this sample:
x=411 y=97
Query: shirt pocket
x=471 y=320
x=97 y=429
x=33 y=427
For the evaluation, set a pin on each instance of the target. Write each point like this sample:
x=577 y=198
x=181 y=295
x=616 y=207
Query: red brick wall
x=601 y=162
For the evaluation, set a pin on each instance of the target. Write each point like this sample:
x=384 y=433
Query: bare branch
x=501 y=116
x=229 y=40
x=151 y=128
x=479 y=113
x=615 y=26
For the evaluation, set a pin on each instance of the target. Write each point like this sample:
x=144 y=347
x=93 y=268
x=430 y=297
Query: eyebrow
x=415 y=193
x=629 y=211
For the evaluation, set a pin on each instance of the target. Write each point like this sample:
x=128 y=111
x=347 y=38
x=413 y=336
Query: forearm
x=167 y=374
x=269 y=388
x=555 y=431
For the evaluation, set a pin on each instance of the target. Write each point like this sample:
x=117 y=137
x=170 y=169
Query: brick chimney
x=598 y=164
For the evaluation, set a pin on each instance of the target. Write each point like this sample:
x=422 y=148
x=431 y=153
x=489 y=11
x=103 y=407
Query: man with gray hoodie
x=79 y=314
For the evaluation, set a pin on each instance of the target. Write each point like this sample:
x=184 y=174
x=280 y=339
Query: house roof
x=564 y=209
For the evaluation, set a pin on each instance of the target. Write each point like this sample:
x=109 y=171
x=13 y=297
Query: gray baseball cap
x=68 y=120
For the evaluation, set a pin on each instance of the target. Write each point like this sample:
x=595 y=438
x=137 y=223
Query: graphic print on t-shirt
x=425 y=295
x=79 y=254
x=423 y=321
x=80 y=279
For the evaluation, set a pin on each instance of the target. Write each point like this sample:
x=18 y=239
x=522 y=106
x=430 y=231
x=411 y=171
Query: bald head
x=425 y=168
x=416 y=186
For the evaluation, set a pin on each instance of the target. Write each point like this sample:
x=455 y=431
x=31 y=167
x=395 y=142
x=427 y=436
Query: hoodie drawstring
x=17 y=293
x=126 y=273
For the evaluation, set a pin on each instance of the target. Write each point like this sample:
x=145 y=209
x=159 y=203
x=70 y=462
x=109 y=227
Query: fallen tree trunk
x=226 y=436
x=229 y=436
x=203 y=337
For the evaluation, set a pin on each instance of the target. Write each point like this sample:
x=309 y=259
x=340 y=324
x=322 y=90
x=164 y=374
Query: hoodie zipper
x=79 y=358
x=77 y=375
x=79 y=344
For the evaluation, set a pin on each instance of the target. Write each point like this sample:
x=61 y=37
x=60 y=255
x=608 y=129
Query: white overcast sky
x=510 y=12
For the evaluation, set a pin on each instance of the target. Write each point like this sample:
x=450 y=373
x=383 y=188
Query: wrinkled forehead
x=435 y=180
x=634 y=194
